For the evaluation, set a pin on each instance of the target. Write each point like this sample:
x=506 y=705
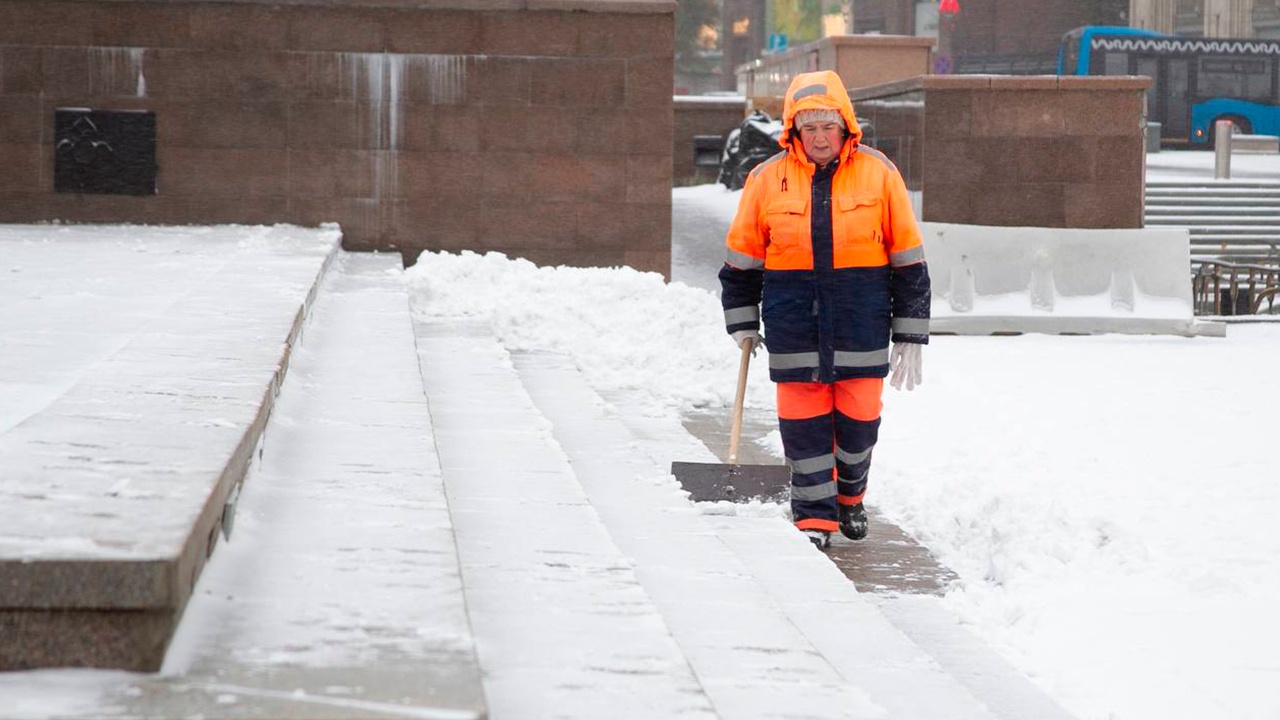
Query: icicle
x=140 y=87
x=446 y=79
x=117 y=71
x=362 y=74
x=395 y=95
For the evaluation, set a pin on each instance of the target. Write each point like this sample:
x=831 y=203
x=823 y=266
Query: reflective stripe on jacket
x=833 y=255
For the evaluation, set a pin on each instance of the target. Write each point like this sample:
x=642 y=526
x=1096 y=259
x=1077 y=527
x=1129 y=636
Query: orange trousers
x=828 y=433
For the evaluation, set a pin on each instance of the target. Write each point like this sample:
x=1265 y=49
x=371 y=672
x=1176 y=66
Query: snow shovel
x=710 y=482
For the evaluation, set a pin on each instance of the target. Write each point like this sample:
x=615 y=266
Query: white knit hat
x=819 y=115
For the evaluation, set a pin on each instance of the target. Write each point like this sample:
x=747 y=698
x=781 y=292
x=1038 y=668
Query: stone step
x=1230 y=220
x=1210 y=206
x=339 y=594
x=705 y=593
x=1010 y=694
x=1214 y=185
x=1211 y=203
x=1234 y=255
x=1217 y=214
x=1193 y=196
x=563 y=626
x=1247 y=233
x=1234 y=242
x=114 y=476
x=1183 y=217
x=1205 y=195
x=1212 y=209
x=759 y=565
x=1202 y=244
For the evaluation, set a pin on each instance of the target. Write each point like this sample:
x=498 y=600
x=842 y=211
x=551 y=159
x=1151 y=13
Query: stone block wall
x=1040 y=151
x=897 y=130
x=696 y=116
x=539 y=128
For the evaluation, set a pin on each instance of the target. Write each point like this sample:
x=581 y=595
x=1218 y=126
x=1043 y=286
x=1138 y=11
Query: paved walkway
x=435 y=527
x=339 y=593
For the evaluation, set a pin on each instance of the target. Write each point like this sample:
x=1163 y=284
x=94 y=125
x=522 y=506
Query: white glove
x=741 y=337
x=906 y=361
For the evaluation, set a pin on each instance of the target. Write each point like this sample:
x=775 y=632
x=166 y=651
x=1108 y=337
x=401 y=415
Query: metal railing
x=1225 y=288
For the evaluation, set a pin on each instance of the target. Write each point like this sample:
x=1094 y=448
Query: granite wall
x=702 y=116
x=539 y=128
x=1040 y=151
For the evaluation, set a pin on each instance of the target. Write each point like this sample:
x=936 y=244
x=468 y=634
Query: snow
x=1108 y=502
x=710 y=99
x=123 y=309
x=619 y=324
x=1199 y=166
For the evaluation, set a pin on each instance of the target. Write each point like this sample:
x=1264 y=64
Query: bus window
x=1069 y=54
x=1177 y=108
x=1193 y=79
x=1245 y=78
x=1115 y=63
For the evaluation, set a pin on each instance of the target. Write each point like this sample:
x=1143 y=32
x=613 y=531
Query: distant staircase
x=1235 y=240
x=1231 y=221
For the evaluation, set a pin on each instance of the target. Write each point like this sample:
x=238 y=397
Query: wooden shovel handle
x=735 y=426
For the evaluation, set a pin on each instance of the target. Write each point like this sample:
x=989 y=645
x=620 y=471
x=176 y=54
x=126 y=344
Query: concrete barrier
x=1269 y=144
x=1008 y=280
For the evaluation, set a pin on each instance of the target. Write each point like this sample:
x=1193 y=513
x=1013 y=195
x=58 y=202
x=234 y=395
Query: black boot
x=853 y=521
x=821 y=539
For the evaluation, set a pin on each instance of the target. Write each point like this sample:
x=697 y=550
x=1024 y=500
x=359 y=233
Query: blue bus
x=1195 y=81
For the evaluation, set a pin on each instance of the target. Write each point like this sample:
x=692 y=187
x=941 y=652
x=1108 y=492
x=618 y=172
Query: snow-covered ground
x=1108 y=502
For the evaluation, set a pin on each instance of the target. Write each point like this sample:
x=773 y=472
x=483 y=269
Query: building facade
x=1209 y=18
x=989 y=36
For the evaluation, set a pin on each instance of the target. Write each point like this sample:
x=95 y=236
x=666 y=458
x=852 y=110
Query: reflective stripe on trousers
x=828 y=433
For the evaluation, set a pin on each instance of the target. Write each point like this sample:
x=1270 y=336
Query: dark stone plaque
x=104 y=152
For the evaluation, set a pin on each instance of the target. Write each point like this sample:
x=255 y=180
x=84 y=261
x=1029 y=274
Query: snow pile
x=626 y=329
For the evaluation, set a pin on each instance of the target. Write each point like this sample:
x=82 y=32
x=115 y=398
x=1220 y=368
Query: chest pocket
x=788 y=222
x=859 y=217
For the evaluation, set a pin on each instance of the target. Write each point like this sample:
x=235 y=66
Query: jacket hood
x=812 y=91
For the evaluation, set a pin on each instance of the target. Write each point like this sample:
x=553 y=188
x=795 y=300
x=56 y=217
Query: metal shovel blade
x=712 y=482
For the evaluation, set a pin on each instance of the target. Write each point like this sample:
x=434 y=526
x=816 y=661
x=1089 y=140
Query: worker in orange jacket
x=826 y=250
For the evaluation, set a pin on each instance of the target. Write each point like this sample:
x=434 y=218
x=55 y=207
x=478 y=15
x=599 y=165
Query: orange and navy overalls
x=831 y=259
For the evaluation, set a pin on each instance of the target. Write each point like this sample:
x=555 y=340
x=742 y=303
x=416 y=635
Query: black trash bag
x=748 y=145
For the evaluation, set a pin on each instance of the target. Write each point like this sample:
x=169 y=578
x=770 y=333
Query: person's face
x=821 y=141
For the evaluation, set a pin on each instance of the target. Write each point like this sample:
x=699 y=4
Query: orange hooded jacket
x=834 y=288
